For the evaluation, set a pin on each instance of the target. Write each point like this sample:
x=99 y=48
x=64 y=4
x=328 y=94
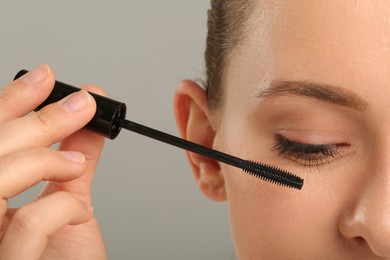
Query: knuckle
x=69 y=200
x=25 y=221
x=69 y=203
x=44 y=120
x=42 y=156
x=43 y=153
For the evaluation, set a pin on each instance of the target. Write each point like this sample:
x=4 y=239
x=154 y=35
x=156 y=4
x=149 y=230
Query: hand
x=59 y=224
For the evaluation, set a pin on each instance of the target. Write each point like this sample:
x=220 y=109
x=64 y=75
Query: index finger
x=26 y=93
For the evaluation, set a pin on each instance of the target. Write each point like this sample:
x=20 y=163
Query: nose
x=367 y=222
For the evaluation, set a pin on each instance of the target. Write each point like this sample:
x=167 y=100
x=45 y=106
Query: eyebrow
x=323 y=92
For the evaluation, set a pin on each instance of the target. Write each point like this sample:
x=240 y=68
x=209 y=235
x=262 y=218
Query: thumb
x=91 y=145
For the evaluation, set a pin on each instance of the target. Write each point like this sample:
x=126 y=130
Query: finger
x=89 y=144
x=24 y=169
x=49 y=125
x=92 y=145
x=30 y=227
x=3 y=218
x=26 y=93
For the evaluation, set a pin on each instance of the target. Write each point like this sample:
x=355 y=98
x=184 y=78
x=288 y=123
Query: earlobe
x=194 y=122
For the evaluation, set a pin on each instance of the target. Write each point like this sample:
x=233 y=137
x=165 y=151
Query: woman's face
x=309 y=91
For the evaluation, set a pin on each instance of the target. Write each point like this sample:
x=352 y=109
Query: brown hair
x=227 y=26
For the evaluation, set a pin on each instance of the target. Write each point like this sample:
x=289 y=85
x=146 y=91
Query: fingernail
x=86 y=205
x=37 y=75
x=73 y=156
x=76 y=101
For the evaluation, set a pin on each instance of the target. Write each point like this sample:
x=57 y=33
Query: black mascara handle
x=108 y=111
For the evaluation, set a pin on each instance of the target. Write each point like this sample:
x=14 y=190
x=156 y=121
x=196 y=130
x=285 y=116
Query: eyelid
x=314 y=136
x=307 y=154
x=284 y=145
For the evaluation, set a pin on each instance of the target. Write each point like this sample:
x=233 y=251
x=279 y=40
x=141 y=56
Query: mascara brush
x=109 y=119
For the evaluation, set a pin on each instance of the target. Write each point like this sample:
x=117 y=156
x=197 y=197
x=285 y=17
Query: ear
x=194 y=123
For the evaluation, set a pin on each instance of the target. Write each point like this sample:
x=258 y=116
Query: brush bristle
x=272 y=174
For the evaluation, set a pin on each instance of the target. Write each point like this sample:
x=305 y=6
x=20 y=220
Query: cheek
x=269 y=221
x=255 y=219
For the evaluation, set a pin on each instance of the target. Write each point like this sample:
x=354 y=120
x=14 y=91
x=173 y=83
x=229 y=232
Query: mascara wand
x=109 y=119
x=265 y=172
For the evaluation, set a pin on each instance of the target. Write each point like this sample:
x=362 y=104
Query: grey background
x=145 y=198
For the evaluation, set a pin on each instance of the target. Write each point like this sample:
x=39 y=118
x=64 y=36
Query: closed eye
x=307 y=154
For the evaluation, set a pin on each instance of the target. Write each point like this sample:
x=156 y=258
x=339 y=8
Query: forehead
x=343 y=43
x=343 y=35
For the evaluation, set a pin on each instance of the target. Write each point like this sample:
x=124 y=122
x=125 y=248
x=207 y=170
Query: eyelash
x=306 y=154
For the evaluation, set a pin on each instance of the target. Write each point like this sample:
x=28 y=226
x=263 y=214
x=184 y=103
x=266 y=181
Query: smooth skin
x=343 y=210
x=59 y=224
